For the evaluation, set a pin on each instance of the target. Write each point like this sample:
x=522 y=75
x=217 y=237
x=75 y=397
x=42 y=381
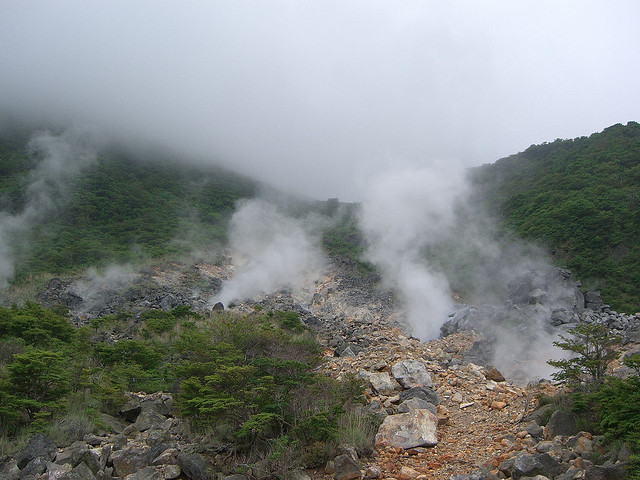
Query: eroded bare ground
x=481 y=420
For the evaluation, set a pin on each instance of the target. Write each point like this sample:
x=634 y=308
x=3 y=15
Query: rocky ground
x=467 y=415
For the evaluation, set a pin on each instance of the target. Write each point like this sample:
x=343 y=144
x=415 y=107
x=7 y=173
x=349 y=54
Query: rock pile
x=149 y=443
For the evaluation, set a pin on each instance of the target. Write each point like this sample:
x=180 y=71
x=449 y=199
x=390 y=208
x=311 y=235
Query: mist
x=404 y=211
x=271 y=251
x=58 y=159
x=314 y=96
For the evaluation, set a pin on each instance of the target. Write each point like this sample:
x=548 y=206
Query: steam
x=403 y=213
x=60 y=158
x=273 y=251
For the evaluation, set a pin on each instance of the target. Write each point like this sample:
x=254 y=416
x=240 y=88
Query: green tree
x=38 y=381
x=590 y=346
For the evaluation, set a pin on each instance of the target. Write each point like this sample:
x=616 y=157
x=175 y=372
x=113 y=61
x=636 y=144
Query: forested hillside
x=125 y=205
x=581 y=199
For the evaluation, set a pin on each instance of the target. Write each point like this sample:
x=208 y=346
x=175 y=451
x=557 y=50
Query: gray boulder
x=479 y=474
x=129 y=460
x=561 y=423
x=194 y=466
x=346 y=468
x=39 y=445
x=616 y=471
x=417 y=403
x=380 y=382
x=424 y=393
x=81 y=472
x=147 y=473
x=536 y=464
x=408 y=430
x=411 y=373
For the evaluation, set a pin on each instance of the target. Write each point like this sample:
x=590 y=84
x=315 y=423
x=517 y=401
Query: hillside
x=119 y=206
x=579 y=198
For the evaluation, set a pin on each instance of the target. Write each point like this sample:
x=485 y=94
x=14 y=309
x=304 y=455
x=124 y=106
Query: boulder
x=561 y=423
x=346 y=468
x=411 y=373
x=408 y=430
x=149 y=418
x=479 y=474
x=147 y=473
x=606 y=472
x=37 y=466
x=380 y=382
x=56 y=472
x=492 y=373
x=81 y=472
x=194 y=466
x=129 y=460
x=424 y=393
x=417 y=403
x=537 y=464
x=39 y=445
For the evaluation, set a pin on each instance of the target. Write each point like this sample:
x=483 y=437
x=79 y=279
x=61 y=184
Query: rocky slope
x=448 y=412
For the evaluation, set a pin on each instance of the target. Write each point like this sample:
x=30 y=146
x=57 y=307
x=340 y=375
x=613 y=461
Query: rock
x=539 y=414
x=411 y=373
x=194 y=466
x=424 y=393
x=56 y=472
x=149 y=418
x=479 y=474
x=36 y=466
x=39 y=445
x=561 y=423
x=147 y=473
x=236 y=476
x=373 y=471
x=583 y=445
x=492 y=373
x=606 y=472
x=170 y=472
x=407 y=473
x=167 y=457
x=297 y=475
x=72 y=455
x=417 y=403
x=346 y=468
x=129 y=460
x=111 y=424
x=537 y=296
x=218 y=307
x=380 y=382
x=537 y=464
x=408 y=430
x=81 y=472
x=593 y=300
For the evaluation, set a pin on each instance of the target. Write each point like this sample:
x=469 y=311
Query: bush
x=591 y=346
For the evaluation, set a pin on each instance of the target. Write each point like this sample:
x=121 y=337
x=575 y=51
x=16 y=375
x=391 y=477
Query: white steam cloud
x=60 y=158
x=404 y=212
x=273 y=251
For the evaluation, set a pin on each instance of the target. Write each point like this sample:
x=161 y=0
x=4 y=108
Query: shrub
x=591 y=346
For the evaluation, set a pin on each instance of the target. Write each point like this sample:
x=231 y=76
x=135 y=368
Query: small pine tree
x=590 y=345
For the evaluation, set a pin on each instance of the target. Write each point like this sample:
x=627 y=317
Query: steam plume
x=60 y=158
x=273 y=250
x=403 y=213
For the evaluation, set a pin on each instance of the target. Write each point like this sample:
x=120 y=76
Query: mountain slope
x=121 y=206
x=581 y=199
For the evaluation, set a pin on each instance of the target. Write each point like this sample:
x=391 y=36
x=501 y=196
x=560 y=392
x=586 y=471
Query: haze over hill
x=320 y=97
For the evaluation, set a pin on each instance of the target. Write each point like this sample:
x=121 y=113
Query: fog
x=272 y=251
x=59 y=160
x=317 y=96
x=381 y=102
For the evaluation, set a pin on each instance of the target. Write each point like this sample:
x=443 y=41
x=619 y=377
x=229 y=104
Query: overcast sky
x=319 y=95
